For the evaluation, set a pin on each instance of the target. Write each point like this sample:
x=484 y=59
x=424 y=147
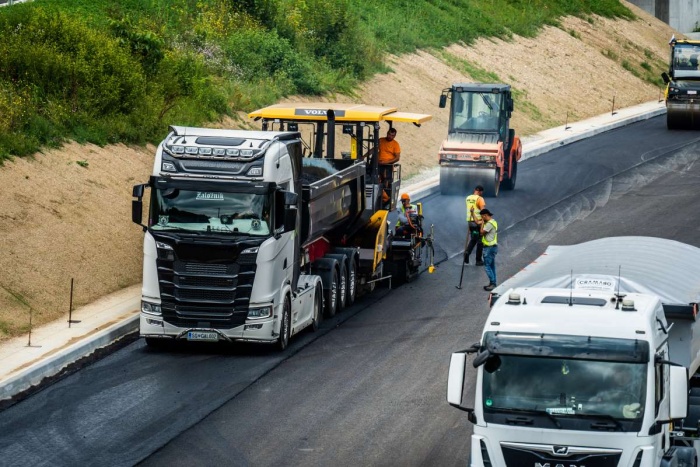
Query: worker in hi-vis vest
x=489 y=238
x=475 y=203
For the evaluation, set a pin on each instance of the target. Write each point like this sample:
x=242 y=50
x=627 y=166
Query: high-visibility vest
x=411 y=207
x=495 y=234
x=471 y=203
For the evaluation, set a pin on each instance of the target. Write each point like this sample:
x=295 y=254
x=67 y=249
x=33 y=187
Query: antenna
x=571 y=289
x=617 y=294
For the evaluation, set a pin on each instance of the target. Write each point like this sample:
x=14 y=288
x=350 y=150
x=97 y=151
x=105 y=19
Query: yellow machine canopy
x=343 y=113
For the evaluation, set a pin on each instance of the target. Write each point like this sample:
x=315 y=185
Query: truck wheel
x=352 y=282
x=318 y=309
x=342 y=287
x=285 y=319
x=330 y=295
x=342 y=279
x=509 y=183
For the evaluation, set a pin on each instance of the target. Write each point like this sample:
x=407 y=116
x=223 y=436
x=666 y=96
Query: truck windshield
x=685 y=61
x=175 y=209
x=566 y=387
x=475 y=112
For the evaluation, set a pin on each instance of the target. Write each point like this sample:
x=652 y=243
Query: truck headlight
x=151 y=308
x=260 y=312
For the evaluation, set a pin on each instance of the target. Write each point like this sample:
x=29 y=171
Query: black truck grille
x=206 y=294
x=516 y=454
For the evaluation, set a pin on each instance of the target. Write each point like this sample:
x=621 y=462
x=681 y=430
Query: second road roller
x=480 y=148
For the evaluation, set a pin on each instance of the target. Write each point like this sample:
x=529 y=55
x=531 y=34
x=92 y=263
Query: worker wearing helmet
x=404 y=226
x=475 y=203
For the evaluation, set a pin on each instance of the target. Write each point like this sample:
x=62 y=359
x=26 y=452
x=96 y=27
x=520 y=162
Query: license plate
x=202 y=336
x=692 y=92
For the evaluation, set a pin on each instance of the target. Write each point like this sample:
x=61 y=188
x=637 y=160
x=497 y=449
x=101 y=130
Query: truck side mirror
x=290 y=199
x=137 y=205
x=510 y=105
x=443 y=101
x=290 y=218
x=678 y=392
x=136 y=211
x=455 y=379
x=665 y=77
x=285 y=210
x=137 y=192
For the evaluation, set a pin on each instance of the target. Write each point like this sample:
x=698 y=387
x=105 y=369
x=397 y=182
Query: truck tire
x=318 y=309
x=342 y=279
x=352 y=257
x=285 y=324
x=330 y=295
x=352 y=282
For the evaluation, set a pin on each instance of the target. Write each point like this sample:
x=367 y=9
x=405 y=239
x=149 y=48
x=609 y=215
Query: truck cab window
x=186 y=211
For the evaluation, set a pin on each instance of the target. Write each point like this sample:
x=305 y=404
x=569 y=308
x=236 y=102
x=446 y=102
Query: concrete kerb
x=52 y=365
x=558 y=137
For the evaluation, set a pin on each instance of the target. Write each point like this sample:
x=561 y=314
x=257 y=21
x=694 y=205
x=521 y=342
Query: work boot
x=466 y=259
x=479 y=263
x=490 y=287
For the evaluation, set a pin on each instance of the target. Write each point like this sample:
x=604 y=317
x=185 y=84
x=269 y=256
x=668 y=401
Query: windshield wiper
x=487 y=102
x=600 y=426
x=524 y=420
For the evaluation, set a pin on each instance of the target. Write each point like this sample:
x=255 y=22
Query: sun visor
x=408 y=117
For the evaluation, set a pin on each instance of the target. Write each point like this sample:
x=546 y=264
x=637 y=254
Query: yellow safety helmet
x=405 y=196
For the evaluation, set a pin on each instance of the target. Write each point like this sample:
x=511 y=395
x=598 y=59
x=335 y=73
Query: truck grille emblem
x=560 y=450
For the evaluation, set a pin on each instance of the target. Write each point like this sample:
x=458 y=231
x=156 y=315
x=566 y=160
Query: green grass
x=477 y=73
x=107 y=71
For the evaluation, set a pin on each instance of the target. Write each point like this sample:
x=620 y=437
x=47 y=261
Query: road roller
x=480 y=148
x=682 y=85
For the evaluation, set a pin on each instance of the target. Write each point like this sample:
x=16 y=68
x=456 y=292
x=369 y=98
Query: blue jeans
x=490 y=253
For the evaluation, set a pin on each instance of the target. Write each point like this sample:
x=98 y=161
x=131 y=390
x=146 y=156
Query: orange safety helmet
x=405 y=196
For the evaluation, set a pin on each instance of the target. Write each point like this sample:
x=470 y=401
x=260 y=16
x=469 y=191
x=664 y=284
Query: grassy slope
x=107 y=71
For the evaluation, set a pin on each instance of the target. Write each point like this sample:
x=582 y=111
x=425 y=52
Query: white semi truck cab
x=223 y=213
x=587 y=359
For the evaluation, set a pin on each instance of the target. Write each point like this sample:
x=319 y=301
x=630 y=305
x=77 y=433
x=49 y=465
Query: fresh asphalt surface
x=369 y=387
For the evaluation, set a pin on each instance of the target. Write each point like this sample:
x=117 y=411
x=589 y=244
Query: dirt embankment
x=66 y=213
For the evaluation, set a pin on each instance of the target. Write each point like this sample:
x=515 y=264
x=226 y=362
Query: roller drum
x=683 y=115
x=462 y=180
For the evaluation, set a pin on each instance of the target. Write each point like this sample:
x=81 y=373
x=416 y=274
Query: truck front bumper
x=260 y=330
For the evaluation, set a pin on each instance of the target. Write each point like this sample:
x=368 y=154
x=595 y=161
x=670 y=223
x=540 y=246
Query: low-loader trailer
x=251 y=237
x=588 y=358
